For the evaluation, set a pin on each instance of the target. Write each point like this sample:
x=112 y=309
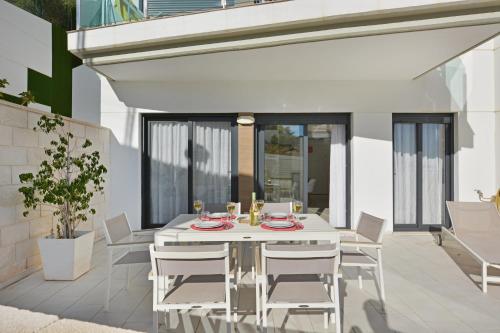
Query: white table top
x=179 y=230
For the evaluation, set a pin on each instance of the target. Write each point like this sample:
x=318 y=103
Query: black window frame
x=301 y=119
x=418 y=119
x=145 y=160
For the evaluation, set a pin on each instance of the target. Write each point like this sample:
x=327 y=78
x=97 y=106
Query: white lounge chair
x=476 y=226
x=291 y=279
x=201 y=279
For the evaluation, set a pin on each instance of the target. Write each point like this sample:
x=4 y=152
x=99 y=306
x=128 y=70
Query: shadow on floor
x=464 y=260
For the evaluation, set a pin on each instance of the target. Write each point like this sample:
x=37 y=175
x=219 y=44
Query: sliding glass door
x=304 y=157
x=184 y=159
x=422 y=171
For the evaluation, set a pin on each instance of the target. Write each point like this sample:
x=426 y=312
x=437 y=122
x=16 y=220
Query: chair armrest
x=347 y=232
x=361 y=244
x=146 y=231
x=128 y=244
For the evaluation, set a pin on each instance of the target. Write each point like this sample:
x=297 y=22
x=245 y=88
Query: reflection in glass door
x=283 y=162
x=422 y=171
x=304 y=158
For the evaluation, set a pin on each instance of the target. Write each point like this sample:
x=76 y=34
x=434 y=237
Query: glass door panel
x=283 y=163
x=168 y=170
x=405 y=174
x=433 y=173
x=422 y=171
x=186 y=158
x=212 y=164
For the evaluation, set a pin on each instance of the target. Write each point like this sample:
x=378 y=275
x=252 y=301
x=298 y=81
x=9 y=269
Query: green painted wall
x=53 y=91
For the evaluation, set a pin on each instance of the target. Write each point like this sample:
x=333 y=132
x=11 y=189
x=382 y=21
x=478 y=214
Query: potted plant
x=66 y=182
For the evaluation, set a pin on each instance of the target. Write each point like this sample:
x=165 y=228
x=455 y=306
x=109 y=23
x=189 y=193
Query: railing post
x=103 y=10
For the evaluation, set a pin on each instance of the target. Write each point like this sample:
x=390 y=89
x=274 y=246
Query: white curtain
x=338 y=200
x=405 y=174
x=169 y=170
x=433 y=153
x=212 y=163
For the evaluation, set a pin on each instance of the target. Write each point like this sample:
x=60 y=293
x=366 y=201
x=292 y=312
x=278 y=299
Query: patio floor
x=427 y=291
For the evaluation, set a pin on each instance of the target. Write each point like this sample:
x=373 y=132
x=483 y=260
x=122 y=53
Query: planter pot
x=66 y=259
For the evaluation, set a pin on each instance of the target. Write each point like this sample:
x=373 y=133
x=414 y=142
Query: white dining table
x=179 y=230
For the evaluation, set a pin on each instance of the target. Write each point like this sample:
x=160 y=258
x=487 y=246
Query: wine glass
x=297 y=207
x=198 y=205
x=231 y=207
x=259 y=204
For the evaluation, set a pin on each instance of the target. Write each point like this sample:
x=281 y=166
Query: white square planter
x=66 y=259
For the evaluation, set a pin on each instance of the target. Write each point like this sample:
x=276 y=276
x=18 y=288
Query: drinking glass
x=259 y=204
x=297 y=207
x=231 y=207
x=198 y=205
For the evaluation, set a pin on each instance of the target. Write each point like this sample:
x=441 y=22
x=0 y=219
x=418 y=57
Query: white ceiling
x=399 y=56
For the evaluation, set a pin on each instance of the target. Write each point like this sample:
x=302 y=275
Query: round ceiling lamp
x=245 y=120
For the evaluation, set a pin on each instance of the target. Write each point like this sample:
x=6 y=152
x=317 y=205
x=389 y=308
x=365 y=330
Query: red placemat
x=224 y=226
x=297 y=226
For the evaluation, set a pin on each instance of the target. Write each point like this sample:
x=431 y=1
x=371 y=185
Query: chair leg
x=337 y=304
x=108 y=282
x=325 y=319
x=228 y=319
x=239 y=259
x=253 y=260
x=360 y=278
x=263 y=301
x=381 y=278
x=485 y=277
x=257 y=303
x=155 y=321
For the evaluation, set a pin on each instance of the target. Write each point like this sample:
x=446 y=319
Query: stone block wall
x=21 y=150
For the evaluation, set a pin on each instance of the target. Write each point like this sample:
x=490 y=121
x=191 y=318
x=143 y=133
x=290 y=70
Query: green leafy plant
x=67 y=180
x=27 y=98
x=3 y=83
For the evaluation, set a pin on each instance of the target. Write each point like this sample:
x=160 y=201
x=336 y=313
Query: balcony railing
x=96 y=13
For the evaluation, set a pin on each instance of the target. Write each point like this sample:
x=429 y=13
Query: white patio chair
x=119 y=236
x=269 y=207
x=291 y=279
x=201 y=279
x=368 y=235
x=277 y=207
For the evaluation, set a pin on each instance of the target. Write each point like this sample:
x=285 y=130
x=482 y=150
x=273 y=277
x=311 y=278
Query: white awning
x=384 y=47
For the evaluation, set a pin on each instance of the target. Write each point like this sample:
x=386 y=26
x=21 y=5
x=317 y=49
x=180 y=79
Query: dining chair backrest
x=189 y=259
x=117 y=228
x=371 y=227
x=220 y=208
x=301 y=258
x=277 y=207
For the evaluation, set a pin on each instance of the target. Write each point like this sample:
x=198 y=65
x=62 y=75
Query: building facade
x=387 y=107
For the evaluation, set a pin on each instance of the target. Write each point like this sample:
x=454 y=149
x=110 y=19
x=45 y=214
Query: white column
x=371 y=166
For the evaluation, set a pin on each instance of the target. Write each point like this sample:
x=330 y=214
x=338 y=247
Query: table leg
x=257 y=259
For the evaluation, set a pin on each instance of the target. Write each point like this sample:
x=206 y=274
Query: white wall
x=125 y=180
x=467 y=85
x=86 y=95
x=25 y=42
x=371 y=166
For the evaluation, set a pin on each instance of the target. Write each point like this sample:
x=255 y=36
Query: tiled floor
x=429 y=289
